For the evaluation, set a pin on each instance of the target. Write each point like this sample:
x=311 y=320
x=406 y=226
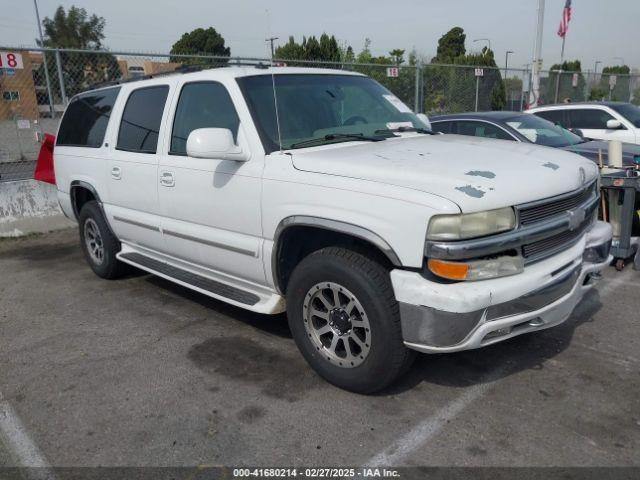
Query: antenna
x=273 y=80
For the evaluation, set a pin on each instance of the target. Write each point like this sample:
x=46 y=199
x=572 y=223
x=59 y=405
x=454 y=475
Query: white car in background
x=596 y=120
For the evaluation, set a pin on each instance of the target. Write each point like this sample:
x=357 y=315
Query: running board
x=193 y=280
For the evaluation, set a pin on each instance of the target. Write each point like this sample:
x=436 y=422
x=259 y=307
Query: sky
x=599 y=30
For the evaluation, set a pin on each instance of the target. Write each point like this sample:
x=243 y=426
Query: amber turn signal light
x=450 y=270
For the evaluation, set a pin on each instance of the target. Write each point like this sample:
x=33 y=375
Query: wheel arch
x=322 y=232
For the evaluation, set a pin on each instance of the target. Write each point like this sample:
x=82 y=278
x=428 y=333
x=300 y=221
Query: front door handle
x=116 y=173
x=166 y=179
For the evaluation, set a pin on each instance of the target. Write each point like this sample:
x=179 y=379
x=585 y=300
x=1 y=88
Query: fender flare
x=331 y=225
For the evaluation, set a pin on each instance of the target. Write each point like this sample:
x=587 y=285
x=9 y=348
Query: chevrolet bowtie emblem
x=583 y=176
x=576 y=217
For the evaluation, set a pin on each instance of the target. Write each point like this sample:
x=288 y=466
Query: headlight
x=471 y=225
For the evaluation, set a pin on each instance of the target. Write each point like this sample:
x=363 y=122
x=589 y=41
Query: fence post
x=417 y=104
x=48 y=81
x=477 y=90
x=63 y=92
x=558 y=85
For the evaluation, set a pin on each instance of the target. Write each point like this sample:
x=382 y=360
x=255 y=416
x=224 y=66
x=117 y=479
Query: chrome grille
x=542 y=211
x=548 y=246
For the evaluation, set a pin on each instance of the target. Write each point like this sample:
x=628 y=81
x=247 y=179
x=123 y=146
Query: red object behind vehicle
x=44 y=166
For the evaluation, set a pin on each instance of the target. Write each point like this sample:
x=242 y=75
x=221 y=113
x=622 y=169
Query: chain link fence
x=35 y=90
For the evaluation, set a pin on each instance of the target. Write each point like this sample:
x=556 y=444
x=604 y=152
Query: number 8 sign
x=10 y=60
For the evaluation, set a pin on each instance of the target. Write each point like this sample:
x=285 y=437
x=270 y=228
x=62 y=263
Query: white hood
x=475 y=173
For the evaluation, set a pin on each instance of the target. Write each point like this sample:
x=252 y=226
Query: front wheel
x=345 y=320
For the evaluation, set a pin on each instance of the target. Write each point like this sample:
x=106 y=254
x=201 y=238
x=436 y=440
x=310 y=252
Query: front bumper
x=439 y=317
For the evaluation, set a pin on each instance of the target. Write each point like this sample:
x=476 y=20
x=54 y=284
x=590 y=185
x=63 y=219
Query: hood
x=590 y=150
x=475 y=173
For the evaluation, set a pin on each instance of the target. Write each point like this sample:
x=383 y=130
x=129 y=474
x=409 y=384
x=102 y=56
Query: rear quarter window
x=85 y=121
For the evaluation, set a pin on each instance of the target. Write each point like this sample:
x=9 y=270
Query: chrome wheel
x=337 y=324
x=93 y=241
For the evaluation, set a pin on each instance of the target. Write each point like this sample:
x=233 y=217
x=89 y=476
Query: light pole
x=534 y=94
x=44 y=61
x=271 y=40
x=483 y=40
x=506 y=61
x=595 y=69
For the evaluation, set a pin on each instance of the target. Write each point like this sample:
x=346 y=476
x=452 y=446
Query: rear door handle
x=116 y=173
x=166 y=179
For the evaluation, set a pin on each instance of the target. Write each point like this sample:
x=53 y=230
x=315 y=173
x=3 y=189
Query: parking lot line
x=17 y=439
x=399 y=450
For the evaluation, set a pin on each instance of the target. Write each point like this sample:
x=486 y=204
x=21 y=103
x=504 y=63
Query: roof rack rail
x=183 y=68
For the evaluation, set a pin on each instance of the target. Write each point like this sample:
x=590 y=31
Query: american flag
x=566 y=16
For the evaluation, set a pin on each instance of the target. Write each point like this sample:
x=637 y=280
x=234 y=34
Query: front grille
x=543 y=211
x=548 y=246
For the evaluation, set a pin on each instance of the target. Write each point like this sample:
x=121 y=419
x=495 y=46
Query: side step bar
x=193 y=279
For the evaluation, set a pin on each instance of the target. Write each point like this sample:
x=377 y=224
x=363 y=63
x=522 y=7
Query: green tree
x=635 y=99
x=200 y=42
x=450 y=46
x=75 y=28
x=397 y=55
x=325 y=48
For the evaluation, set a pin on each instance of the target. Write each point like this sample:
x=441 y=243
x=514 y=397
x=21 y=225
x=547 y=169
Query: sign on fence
x=574 y=80
x=392 y=72
x=10 y=60
x=479 y=72
x=612 y=81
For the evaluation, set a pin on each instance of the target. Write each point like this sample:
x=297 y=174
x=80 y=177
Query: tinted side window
x=202 y=105
x=554 y=116
x=86 y=118
x=589 y=118
x=442 y=127
x=141 y=119
x=482 y=129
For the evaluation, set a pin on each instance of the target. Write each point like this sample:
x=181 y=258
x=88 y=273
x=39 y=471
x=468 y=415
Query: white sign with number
x=392 y=72
x=574 y=81
x=612 y=81
x=10 y=60
x=479 y=72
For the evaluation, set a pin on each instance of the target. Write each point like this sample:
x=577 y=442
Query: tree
x=200 y=42
x=75 y=28
x=397 y=55
x=312 y=49
x=450 y=46
x=620 y=90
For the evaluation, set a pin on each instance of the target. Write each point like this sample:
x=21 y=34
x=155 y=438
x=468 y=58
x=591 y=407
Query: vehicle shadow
x=461 y=369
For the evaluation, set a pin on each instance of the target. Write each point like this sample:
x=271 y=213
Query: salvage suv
x=320 y=193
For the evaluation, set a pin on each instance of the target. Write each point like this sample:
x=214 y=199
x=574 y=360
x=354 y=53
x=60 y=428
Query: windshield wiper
x=336 y=136
x=407 y=129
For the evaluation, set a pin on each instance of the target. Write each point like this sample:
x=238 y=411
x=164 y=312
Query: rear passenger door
x=132 y=168
x=211 y=207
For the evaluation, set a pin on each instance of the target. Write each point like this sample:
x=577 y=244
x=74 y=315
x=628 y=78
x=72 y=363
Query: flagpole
x=562 y=51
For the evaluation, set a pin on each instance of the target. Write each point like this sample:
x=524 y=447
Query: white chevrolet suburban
x=320 y=193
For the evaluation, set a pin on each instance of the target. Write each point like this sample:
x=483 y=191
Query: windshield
x=319 y=109
x=628 y=111
x=543 y=132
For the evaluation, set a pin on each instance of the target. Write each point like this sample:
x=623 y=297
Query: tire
x=370 y=312
x=98 y=243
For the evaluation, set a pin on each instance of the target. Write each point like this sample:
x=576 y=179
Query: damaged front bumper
x=438 y=317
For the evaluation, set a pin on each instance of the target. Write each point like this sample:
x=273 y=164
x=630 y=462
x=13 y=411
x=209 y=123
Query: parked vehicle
x=596 y=120
x=377 y=237
x=526 y=128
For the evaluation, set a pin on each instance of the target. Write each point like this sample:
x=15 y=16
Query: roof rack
x=182 y=69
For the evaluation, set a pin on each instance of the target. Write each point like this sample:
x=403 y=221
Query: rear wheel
x=99 y=245
x=345 y=320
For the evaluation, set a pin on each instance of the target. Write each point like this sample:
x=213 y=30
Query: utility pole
x=271 y=40
x=506 y=62
x=537 y=60
x=44 y=61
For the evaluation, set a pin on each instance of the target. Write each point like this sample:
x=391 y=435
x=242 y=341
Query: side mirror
x=614 y=124
x=214 y=143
